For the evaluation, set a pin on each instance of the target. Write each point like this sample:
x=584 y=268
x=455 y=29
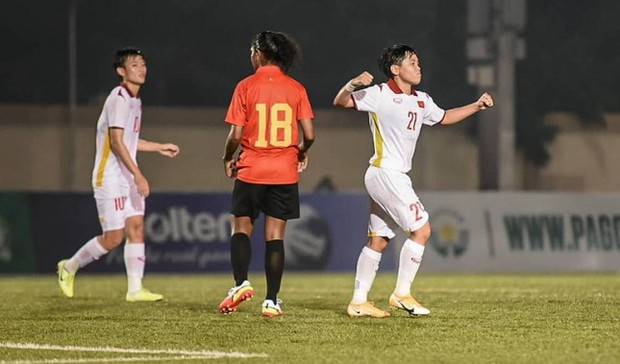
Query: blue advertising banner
x=472 y=232
x=191 y=233
x=16 y=248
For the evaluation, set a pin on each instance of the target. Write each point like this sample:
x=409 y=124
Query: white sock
x=87 y=254
x=135 y=260
x=367 y=266
x=410 y=259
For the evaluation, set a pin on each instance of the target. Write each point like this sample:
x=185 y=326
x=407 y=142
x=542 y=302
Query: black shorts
x=279 y=201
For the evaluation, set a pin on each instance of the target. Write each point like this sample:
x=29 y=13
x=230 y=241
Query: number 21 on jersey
x=413 y=118
x=279 y=120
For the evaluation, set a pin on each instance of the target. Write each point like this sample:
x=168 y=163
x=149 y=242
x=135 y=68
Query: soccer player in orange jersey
x=119 y=186
x=265 y=113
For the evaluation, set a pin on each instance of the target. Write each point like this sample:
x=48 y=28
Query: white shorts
x=393 y=203
x=114 y=211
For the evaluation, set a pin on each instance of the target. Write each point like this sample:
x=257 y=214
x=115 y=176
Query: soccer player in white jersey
x=119 y=186
x=396 y=113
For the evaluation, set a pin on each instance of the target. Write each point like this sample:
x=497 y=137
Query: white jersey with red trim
x=396 y=120
x=110 y=177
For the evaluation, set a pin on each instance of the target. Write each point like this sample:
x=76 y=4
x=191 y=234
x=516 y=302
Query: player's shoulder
x=293 y=82
x=119 y=93
x=247 y=79
x=119 y=98
x=377 y=88
x=245 y=82
x=422 y=95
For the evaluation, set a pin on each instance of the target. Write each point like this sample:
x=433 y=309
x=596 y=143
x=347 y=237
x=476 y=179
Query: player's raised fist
x=485 y=101
x=363 y=79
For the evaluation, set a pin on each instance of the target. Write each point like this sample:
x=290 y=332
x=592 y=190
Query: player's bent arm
x=308 y=138
x=167 y=149
x=458 y=114
x=232 y=144
x=120 y=150
x=343 y=97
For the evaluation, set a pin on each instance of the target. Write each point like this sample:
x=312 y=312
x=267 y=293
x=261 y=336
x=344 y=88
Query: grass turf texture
x=474 y=319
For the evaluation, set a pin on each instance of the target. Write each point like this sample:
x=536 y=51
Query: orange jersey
x=269 y=104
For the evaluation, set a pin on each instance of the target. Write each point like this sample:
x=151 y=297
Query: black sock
x=240 y=256
x=274 y=266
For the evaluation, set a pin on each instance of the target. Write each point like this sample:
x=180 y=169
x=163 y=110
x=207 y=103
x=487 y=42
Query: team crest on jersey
x=397 y=100
x=421 y=104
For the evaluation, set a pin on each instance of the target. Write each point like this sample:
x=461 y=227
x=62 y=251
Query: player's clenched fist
x=485 y=101
x=169 y=150
x=363 y=79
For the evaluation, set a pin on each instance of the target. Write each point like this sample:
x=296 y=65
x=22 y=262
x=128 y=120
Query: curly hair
x=277 y=48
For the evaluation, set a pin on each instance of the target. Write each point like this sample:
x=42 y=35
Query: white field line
x=108 y=360
x=178 y=354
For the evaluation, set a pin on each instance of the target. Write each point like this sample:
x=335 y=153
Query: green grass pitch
x=475 y=318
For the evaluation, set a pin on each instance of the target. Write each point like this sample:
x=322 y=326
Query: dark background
x=197 y=50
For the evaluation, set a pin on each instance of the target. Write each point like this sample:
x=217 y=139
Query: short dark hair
x=278 y=48
x=123 y=54
x=394 y=55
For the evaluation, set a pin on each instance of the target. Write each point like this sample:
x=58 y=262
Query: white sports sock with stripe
x=410 y=260
x=87 y=254
x=135 y=260
x=367 y=266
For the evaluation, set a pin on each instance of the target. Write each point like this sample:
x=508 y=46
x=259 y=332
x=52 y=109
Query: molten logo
x=178 y=224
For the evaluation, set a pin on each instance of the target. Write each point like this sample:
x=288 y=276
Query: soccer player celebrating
x=264 y=114
x=396 y=112
x=119 y=186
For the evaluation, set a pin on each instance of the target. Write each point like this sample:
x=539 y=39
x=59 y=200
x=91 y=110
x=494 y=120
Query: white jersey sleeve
x=118 y=112
x=432 y=113
x=367 y=99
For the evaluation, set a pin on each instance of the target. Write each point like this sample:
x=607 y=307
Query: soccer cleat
x=143 y=295
x=271 y=309
x=236 y=295
x=366 y=309
x=409 y=304
x=65 y=279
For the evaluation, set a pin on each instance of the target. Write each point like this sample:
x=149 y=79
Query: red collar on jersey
x=124 y=85
x=394 y=87
x=269 y=68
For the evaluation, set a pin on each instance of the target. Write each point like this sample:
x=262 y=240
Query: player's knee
x=422 y=235
x=136 y=236
x=135 y=230
x=378 y=243
x=112 y=239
